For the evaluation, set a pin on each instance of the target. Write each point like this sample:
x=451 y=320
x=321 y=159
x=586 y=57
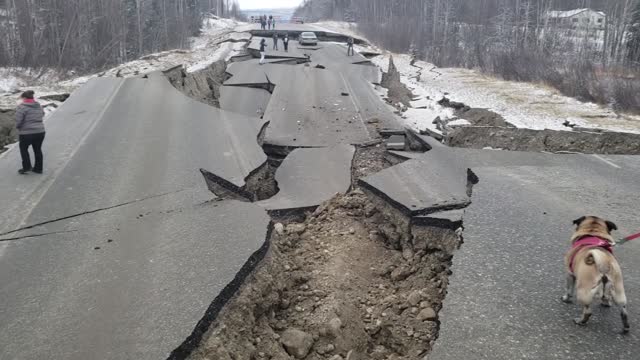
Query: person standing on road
x=269 y=21
x=30 y=125
x=273 y=23
x=350 y=46
x=263 y=23
x=285 y=41
x=275 y=41
x=263 y=48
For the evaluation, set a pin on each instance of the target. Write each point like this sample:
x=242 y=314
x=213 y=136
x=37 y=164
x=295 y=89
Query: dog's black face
x=594 y=221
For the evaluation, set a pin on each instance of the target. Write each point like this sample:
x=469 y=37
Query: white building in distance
x=578 y=18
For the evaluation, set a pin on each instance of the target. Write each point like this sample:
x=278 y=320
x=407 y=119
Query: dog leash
x=628 y=238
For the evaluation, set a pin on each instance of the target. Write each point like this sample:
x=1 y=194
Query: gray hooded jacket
x=29 y=118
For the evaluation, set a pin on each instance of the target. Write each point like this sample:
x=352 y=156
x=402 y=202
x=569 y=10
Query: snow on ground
x=218 y=41
x=424 y=108
x=345 y=28
x=525 y=105
x=8 y=80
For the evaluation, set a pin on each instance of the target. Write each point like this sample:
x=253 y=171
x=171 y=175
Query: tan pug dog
x=592 y=270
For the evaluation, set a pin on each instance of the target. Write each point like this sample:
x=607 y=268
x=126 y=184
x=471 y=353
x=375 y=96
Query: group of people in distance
x=285 y=42
x=263 y=45
x=267 y=23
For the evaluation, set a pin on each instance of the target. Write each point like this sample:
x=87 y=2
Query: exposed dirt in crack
x=203 y=85
x=475 y=116
x=398 y=91
x=516 y=139
x=330 y=288
x=369 y=160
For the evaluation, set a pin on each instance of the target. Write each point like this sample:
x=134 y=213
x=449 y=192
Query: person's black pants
x=286 y=47
x=34 y=140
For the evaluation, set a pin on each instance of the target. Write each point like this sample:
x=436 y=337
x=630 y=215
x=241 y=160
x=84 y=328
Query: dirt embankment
x=545 y=140
x=333 y=288
x=203 y=85
x=475 y=116
x=487 y=129
x=398 y=91
x=8 y=132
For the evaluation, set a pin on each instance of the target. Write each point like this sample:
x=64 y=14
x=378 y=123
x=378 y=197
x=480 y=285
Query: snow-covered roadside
x=345 y=28
x=525 y=105
x=218 y=41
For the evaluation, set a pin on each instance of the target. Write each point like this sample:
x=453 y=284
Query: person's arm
x=21 y=114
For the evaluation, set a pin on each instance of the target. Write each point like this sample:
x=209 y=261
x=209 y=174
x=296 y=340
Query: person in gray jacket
x=30 y=125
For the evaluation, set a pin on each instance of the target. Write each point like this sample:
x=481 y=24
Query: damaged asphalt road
x=121 y=251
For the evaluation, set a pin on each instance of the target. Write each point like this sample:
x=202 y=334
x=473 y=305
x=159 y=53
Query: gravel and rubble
x=332 y=287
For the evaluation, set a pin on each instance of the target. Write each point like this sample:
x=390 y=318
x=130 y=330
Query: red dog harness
x=588 y=242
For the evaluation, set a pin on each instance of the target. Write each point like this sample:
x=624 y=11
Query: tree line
x=515 y=39
x=87 y=35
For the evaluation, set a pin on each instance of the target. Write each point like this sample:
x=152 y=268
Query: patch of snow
x=346 y=28
x=224 y=52
x=8 y=81
x=459 y=122
x=421 y=119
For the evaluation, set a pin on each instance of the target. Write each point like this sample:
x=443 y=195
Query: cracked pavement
x=120 y=251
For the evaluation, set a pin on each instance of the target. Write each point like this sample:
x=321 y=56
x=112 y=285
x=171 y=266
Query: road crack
x=29 y=227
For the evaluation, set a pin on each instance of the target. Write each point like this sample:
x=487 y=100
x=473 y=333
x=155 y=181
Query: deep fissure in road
x=337 y=284
x=354 y=279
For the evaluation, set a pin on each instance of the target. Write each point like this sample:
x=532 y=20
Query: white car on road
x=308 y=38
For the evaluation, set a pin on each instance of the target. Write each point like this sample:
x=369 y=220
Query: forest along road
x=503 y=299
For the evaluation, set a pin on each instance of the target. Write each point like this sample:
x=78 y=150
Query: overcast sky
x=267 y=4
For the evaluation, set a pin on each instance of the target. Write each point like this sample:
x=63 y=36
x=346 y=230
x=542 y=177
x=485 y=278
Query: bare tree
x=87 y=35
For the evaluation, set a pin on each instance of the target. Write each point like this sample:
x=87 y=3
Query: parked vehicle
x=308 y=38
x=297 y=20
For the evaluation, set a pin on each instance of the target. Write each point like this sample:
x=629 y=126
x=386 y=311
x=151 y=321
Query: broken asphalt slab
x=421 y=187
x=335 y=54
x=137 y=281
x=308 y=177
x=247 y=101
x=308 y=110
